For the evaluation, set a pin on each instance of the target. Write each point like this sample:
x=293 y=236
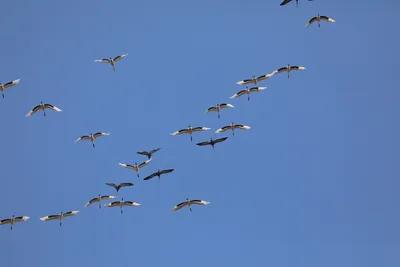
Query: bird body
x=218 y=108
x=255 y=80
x=248 y=91
x=42 y=106
x=136 y=167
x=99 y=198
x=91 y=137
x=148 y=153
x=111 y=60
x=121 y=204
x=212 y=142
x=60 y=216
x=14 y=220
x=158 y=174
x=288 y=69
x=3 y=87
x=318 y=18
x=190 y=130
x=232 y=127
x=189 y=203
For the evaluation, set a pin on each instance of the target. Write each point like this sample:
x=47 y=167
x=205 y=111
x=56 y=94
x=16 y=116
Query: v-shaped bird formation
x=252 y=86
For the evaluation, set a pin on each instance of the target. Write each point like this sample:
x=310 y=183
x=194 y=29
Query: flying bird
x=158 y=173
x=288 y=1
x=218 y=108
x=3 y=87
x=189 y=203
x=111 y=60
x=118 y=187
x=232 y=127
x=212 y=142
x=318 y=19
x=14 y=220
x=136 y=167
x=42 y=106
x=288 y=69
x=248 y=91
x=121 y=204
x=255 y=80
x=91 y=137
x=190 y=131
x=60 y=216
x=99 y=198
x=148 y=153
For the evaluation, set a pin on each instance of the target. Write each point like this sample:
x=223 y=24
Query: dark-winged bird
x=118 y=187
x=148 y=153
x=158 y=173
x=212 y=142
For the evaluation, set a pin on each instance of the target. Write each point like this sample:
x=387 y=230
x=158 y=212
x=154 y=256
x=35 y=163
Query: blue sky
x=313 y=183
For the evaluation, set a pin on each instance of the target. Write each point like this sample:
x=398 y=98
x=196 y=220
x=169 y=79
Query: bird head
x=98 y=195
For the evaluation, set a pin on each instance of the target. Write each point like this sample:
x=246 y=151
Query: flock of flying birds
x=190 y=130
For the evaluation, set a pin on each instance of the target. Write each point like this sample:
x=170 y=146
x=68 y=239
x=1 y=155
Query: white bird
x=99 y=198
x=189 y=203
x=42 y=106
x=319 y=18
x=60 y=216
x=218 y=108
x=3 y=87
x=91 y=137
x=288 y=69
x=256 y=80
x=248 y=91
x=14 y=220
x=121 y=204
x=232 y=127
x=190 y=131
x=136 y=167
x=111 y=60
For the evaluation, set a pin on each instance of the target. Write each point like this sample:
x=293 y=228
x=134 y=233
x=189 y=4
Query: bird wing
x=283 y=69
x=112 y=185
x=204 y=143
x=21 y=218
x=127 y=166
x=144 y=153
x=166 y=171
x=257 y=89
x=220 y=140
x=314 y=19
x=266 y=76
x=141 y=165
x=70 y=213
x=225 y=105
x=131 y=203
x=52 y=107
x=242 y=127
x=223 y=129
x=5 y=221
x=107 y=197
x=9 y=84
x=179 y=206
x=238 y=94
x=100 y=134
x=247 y=81
x=104 y=60
x=210 y=109
x=84 y=137
x=297 y=68
x=285 y=2
x=150 y=176
x=327 y=19
x=117 y=58
x=112 y=204
x=125 y=184
x=154 y=150
x=50 y=217
x=96 y=199
x=182 y=131
x=199 y=129
x=33 y=111
x=199 y=202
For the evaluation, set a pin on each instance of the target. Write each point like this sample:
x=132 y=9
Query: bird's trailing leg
x=11 y=227
x=191 y=138
x=218 y=115
x=190 y=208
x=213 y=147
x=93 y=145
x=44 y=113
x=99 y=206
x=138 y=174
x=2 y=94
x=233 y=132
x=122 y=211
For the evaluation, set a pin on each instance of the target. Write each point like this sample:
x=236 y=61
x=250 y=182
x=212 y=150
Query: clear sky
x=315 y=182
